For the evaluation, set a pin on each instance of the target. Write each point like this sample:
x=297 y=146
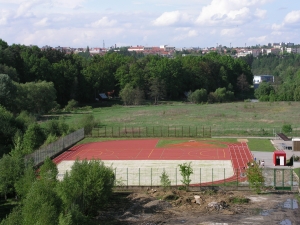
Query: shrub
x=287 y=128
x=165 y=181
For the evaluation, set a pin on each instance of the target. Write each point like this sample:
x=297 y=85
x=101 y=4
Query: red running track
x=238 y=153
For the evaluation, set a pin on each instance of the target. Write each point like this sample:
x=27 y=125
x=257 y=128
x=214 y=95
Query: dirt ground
x=154 y=207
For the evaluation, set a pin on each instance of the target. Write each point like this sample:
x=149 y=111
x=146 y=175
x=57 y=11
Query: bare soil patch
x=175 y=206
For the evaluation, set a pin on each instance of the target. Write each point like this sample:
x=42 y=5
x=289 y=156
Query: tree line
x=81 y=77
x=286 y=70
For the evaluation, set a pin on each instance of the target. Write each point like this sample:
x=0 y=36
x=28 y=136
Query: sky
x=176 y=23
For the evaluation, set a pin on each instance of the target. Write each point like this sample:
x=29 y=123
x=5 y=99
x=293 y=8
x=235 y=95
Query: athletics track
x=238 y=153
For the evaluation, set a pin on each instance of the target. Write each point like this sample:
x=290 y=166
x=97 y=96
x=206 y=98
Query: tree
x=242 y=83
x=255 y=178
x=127 y=94
x=7 y=91
x=36 y=97
x=48 y=170
x=42 y=204
x=198 y=96
x=10 y=171
x=23 y=185
x=157 y=89
x=33 y=138
x=186 y=171
x=88 y=186
x=264 y=89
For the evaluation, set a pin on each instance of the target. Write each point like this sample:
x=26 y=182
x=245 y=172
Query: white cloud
x=260 y=13
x=229 y=12
x=42 y=23
x=185 y=33
x=292 y=17
x=171 y=18
x=103 y=22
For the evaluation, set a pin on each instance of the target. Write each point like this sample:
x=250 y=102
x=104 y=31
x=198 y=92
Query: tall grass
x=260 y=118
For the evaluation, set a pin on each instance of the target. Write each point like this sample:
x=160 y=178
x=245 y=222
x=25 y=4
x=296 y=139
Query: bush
x=72 y=105
x=198 y=96
x=287 y=128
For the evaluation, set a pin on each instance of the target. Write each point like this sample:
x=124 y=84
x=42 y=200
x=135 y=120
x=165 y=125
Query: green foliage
x=36 y=97
x=165 y=182
x=186 y=171
x=14 y=218
x=132 y=96
x=198 y=96
x=56 y=127
x=25 y=118
x=88 y=186
x=287 y=128
x=263 y=91
x=33 y=138
x=255 y=178
x=8 y=128
x=239 y=200
x=48 y=170
x=88 y=123
x=7 y=91
x=71 y=106
x=23 y=185
x=10 y=171
x=42 y=204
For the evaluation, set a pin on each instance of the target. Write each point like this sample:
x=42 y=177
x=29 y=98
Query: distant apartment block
x=293 y=50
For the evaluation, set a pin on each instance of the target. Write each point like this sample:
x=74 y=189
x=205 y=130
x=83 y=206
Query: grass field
x=254 y=144
x=240 y=116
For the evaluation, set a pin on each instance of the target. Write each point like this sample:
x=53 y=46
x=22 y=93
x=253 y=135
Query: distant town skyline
x=190 y=23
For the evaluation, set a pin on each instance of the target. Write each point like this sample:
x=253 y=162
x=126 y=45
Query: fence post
x=292 y=184
x=146 y=132
x=132 y=131
x=176 y=175
x=115 y=176
x=224 y=176
x=200 y=177
x=212 y=176
x=274 y=177
x=153 y=131
x=151 y=176
x=237 y=177
x=139 y=132
x=282 y=177
x=139 y=176
x=127 y=176
x=105 y=131
x=98 y=131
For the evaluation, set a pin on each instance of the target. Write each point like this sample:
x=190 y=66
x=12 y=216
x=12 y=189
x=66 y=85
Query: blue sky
x=179 y=23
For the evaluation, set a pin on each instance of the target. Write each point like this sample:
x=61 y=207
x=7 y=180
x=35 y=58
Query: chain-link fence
x=153 y=131
x=186 y=131
x=56 y=147
x=277 y=179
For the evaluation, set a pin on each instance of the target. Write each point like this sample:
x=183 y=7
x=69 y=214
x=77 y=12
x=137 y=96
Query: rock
x=197 y=199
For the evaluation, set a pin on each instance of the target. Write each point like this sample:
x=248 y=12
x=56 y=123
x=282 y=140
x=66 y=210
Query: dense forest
x=286 y=69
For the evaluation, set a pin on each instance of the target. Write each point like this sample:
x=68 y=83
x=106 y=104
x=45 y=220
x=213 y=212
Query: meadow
x=228 y=119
